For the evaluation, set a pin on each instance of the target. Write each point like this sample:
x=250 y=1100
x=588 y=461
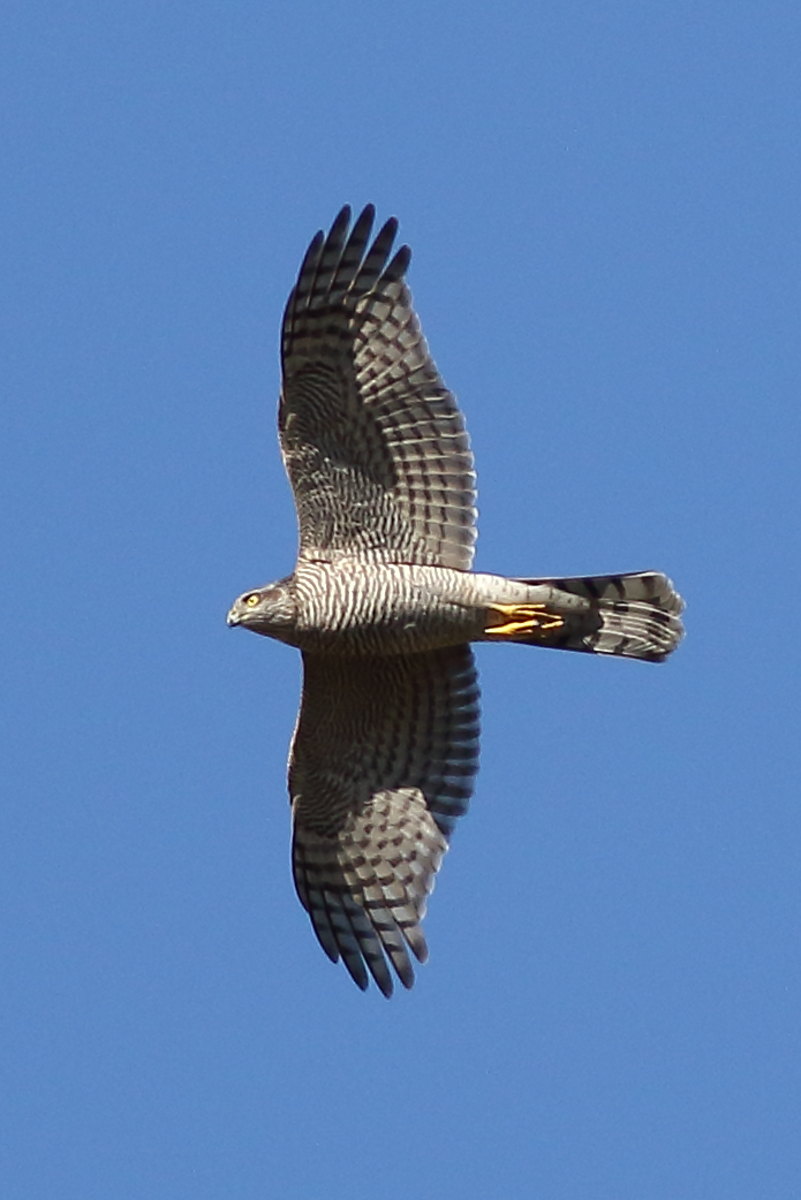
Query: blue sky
x=603 y=205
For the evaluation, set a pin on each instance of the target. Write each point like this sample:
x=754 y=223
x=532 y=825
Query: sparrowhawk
x=383 y=604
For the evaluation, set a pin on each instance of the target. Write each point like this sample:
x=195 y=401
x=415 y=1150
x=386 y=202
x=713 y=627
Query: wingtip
x=342 y=217
x=400 y=262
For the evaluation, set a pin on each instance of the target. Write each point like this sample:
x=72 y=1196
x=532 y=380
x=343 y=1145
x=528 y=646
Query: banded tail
x=631 y=616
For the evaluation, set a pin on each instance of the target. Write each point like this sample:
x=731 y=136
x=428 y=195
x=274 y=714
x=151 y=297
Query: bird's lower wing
x=382 y=763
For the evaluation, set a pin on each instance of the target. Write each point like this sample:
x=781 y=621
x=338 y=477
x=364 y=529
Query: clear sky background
x=603 y=204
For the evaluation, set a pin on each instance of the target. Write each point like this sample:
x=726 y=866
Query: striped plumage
x=383 y=604
x=373 y=442
x=372 y=819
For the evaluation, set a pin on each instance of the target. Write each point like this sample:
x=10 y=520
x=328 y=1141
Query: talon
x=522 y=619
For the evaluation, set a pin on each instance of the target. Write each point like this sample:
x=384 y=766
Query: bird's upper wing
x=382 y=762
x=373 y=442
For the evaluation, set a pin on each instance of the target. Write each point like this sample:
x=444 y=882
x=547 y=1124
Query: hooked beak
x=232 y=618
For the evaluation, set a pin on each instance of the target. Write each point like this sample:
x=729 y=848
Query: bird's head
x=270 y=610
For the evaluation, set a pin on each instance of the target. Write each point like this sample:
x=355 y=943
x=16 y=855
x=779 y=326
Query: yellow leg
x=516 y=619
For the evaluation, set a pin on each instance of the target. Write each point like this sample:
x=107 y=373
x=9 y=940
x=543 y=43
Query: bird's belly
x=353 y=607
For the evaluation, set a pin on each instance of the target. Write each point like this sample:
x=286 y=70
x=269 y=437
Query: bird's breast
x=353 y=606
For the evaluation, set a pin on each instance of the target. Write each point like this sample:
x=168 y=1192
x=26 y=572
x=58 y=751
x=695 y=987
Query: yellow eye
x=252 y=600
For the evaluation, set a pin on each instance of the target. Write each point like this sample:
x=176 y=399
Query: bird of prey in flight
x=383 y=604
